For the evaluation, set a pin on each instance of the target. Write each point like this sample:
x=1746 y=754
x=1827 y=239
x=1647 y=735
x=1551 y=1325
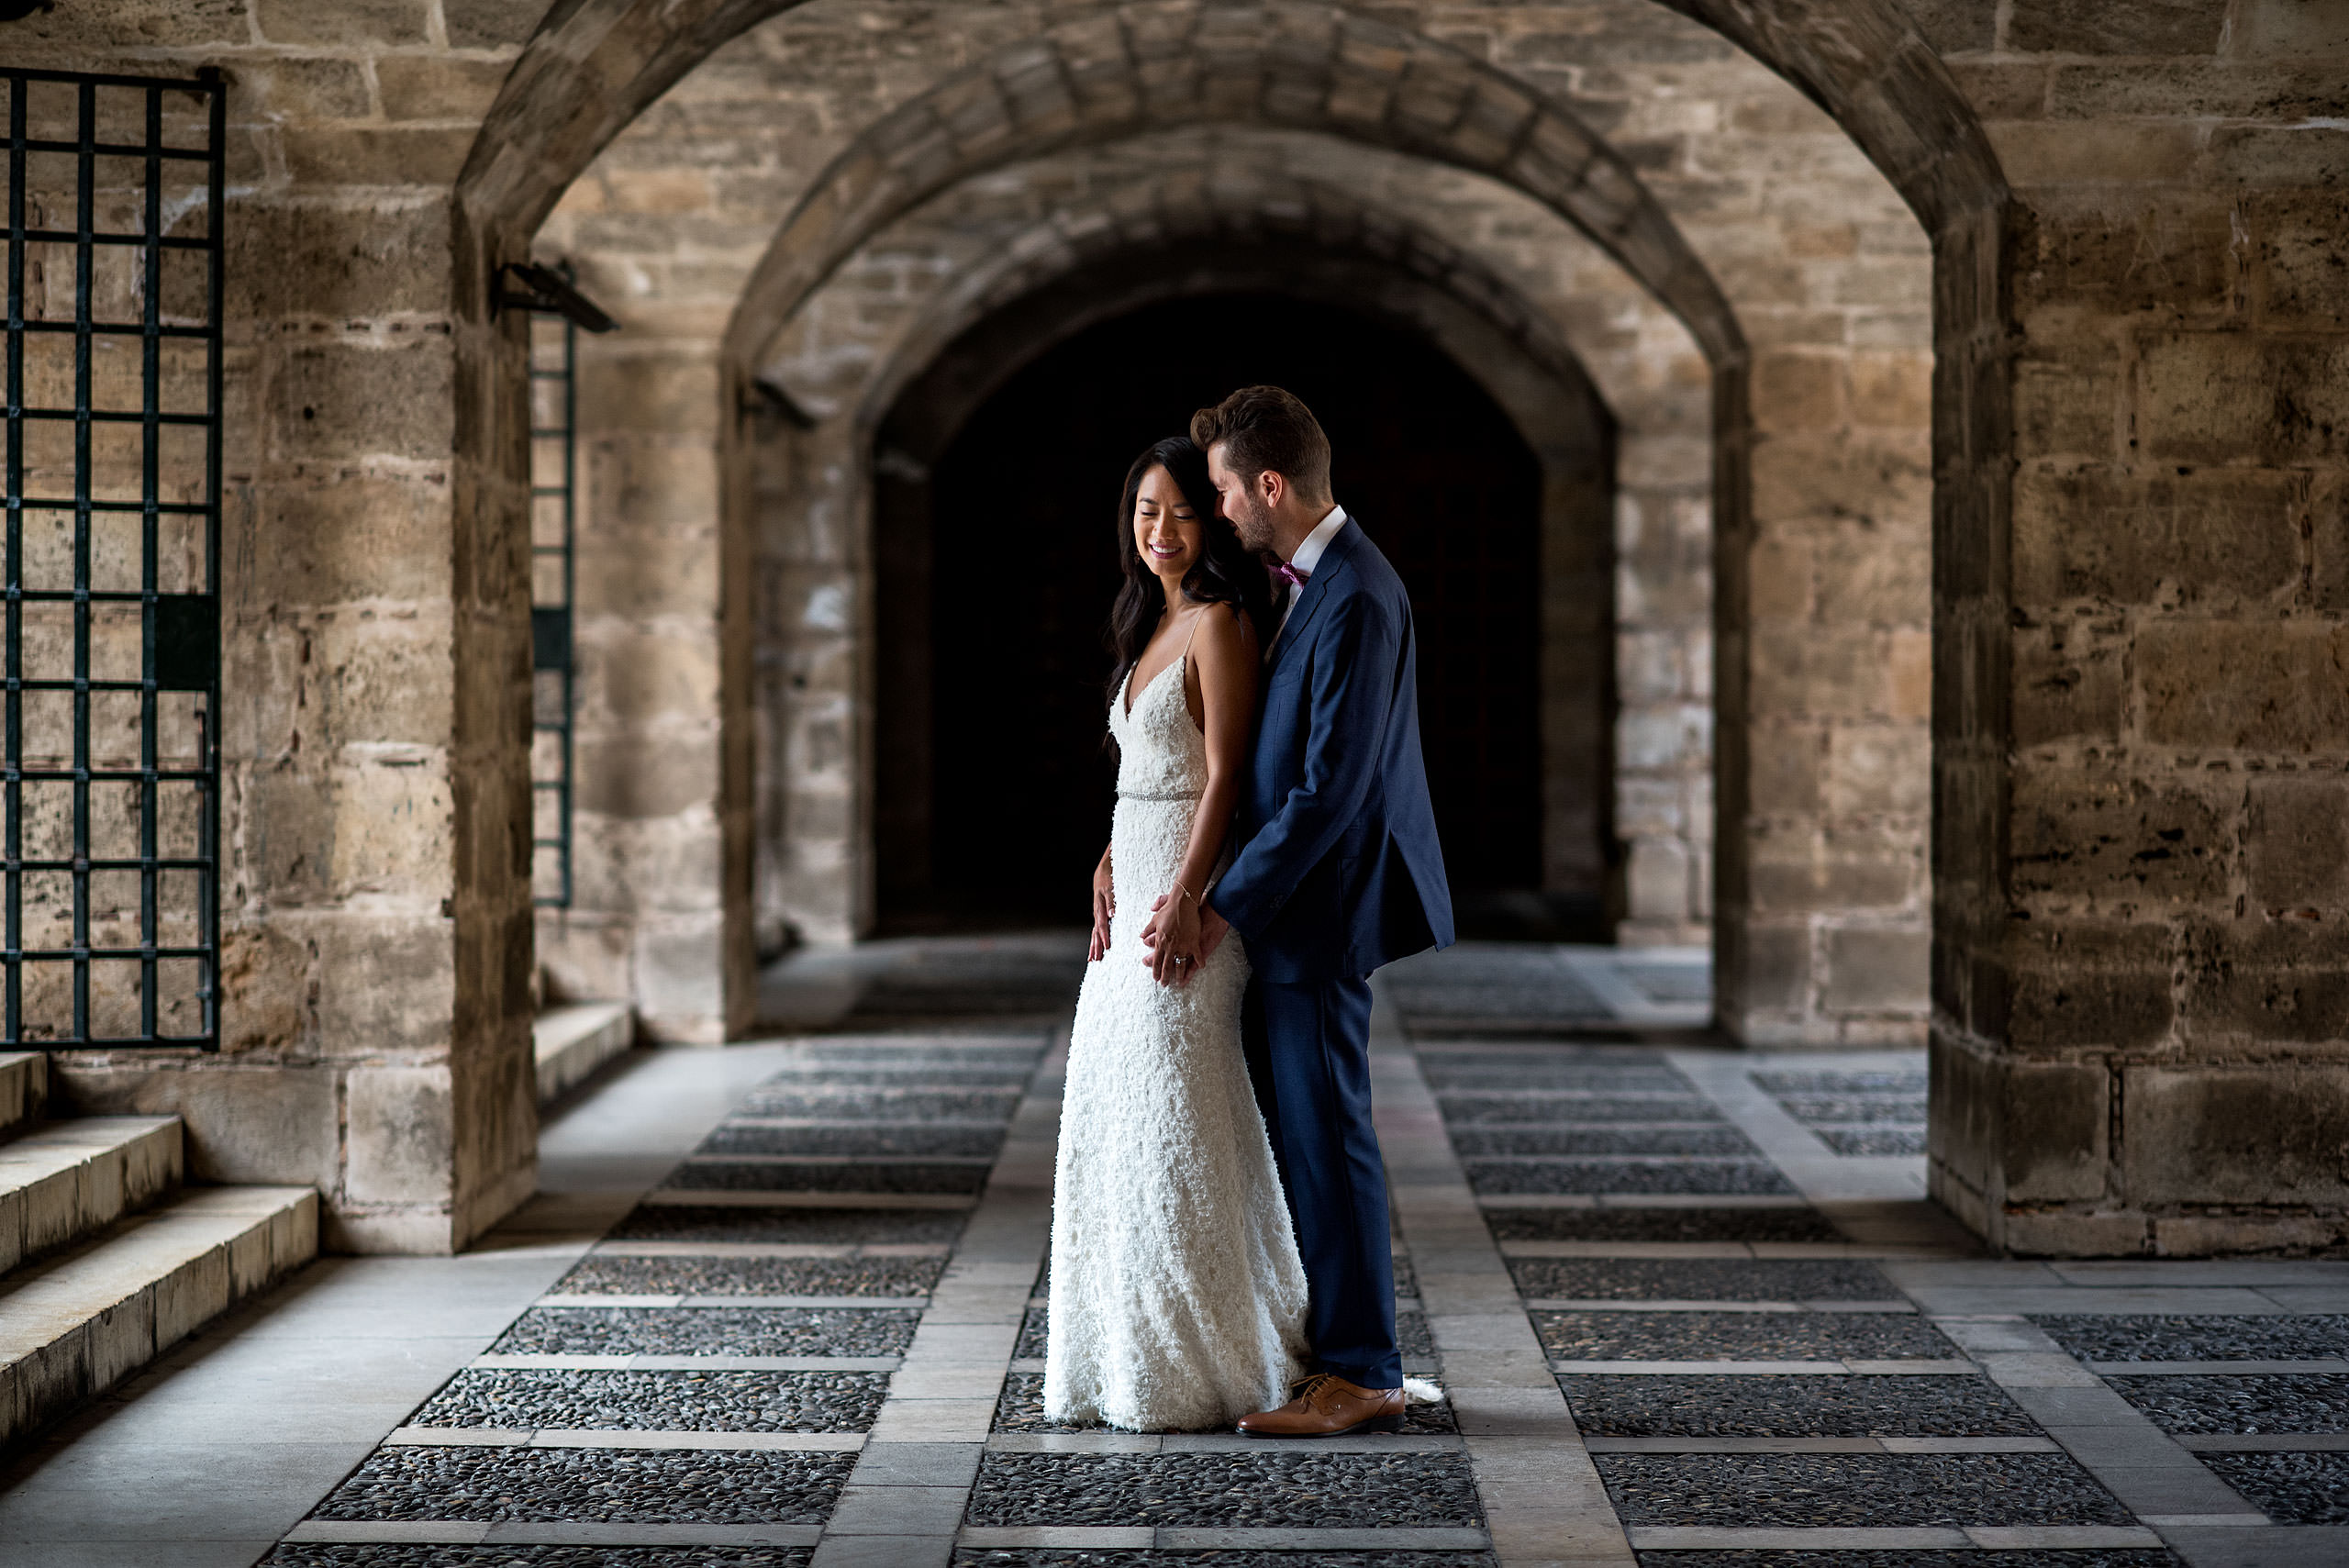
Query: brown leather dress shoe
x=1327 y=1405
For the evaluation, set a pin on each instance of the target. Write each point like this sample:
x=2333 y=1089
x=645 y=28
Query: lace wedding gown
x=1177 y=1298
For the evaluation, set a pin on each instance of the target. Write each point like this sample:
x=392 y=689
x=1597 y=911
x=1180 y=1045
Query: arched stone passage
x=1164 y=232
x=1504 y=667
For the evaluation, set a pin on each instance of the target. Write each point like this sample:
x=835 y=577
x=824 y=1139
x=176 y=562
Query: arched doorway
x=996 y=566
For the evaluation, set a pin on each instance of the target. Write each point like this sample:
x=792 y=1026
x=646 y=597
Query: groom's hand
x=1213 y=928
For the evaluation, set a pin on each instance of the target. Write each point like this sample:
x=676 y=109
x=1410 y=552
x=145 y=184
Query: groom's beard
x=1253 y=524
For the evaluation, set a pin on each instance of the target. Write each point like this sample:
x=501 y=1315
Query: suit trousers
x=1309 y=1056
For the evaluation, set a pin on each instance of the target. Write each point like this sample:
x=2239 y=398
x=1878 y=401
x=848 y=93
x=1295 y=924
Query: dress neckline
x=1130 y=696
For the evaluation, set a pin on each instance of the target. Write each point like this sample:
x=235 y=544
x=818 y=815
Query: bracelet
x=1187 y=893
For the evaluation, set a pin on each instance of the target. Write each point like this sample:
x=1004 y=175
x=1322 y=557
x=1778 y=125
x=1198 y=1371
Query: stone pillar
x=661 y=903
x=2143 y=1033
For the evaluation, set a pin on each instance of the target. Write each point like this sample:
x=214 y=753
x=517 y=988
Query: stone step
x=75 y=1325
x=570 y=1043
x=65 y=1180
x=24 y=1090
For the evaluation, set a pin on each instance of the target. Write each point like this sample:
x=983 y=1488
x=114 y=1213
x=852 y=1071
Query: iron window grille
x=554 y=357
x=112 y=745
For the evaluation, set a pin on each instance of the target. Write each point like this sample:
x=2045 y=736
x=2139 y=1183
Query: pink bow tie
x=1283 y=571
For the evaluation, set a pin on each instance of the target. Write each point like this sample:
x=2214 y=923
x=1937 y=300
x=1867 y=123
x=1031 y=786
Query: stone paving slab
x=829 y=1227
x=2198 y=1339
x=931 y=1071
x=1797 y=1335
x=1858 y=1490
x=1495 y=1203
x=706 y=1198
x=670 y=1544
x=1449 y=1072
x=1688 y=1174
x=883 y=1104
x=609 y=1249
x=1891 y=1547
x=898 y=1139
x=1602 y=1443
x=826 y=1173
x=603 y=1273
x=1020 y=1408
x=2291 y=1489
x=1872 y=1141
x=743 y=1332
x=1789 y=1251
x=2264 y=1442
x=1468 y=1109
x=1794 y=1406
x=1481 y=1143
x=2307 y=1546
x=687 y=1363
x=2217 y=1369
x=2306 y=1403
x=702 y=1400
x=379 y=1555
x=1281 y=1489
x=1768 y=1369
x=1319 y=1557
x=1667 y=1225
x=494 y=1485
x=1699 y=1279
x=555 y=1301
x=624 y=1437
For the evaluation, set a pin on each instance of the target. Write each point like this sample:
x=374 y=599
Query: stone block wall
x=2149 y=1045
x=375 y=1022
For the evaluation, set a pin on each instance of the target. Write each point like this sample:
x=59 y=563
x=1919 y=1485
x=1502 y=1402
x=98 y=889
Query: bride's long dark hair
x=1225 y=573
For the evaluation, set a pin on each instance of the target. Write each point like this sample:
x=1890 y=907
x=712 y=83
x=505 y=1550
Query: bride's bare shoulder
x=1225 y=632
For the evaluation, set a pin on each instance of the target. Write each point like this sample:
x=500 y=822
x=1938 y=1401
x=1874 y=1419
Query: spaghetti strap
x=1198 y=616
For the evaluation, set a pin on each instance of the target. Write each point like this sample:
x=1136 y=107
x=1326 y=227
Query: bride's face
x=1168 y=534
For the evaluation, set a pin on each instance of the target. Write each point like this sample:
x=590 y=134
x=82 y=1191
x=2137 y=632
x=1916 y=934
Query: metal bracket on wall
x=526 y=285
x=764 y=397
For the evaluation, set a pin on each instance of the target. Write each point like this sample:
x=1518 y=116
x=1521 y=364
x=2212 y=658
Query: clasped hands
x=1182 y=936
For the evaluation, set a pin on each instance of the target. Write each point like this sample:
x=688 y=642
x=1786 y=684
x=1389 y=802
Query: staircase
x=570 y=1043
x=105 y=1259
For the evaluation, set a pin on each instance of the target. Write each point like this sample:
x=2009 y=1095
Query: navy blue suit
x=1338 y=870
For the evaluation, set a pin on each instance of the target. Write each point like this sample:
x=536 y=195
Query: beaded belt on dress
x=1136 y=795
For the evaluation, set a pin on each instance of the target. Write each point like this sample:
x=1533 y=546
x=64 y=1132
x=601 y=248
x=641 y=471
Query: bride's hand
x=1172 y=939
x=1105 y=903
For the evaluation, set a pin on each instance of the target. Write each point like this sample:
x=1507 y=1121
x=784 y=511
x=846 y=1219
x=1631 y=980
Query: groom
x=1339 y=872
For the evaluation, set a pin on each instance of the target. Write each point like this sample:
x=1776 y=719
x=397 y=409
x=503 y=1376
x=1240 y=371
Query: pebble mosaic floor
x=818 y=1344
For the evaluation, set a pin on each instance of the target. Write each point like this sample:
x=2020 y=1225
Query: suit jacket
x=1339 y=870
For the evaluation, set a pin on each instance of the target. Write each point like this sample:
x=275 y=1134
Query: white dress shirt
x=1309 y=556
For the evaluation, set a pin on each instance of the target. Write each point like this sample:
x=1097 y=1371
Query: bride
x=1177 y=1297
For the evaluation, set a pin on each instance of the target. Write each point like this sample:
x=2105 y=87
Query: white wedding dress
x=1177 y=1298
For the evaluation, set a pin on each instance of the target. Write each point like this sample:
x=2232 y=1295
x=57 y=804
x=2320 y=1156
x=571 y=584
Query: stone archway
x=1169 y=238
x=1523 y=828
x=630 y=47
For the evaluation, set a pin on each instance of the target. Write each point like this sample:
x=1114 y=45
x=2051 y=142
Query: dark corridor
x=997 y=567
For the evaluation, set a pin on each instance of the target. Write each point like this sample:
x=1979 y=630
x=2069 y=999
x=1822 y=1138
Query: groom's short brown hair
x=1264 y=428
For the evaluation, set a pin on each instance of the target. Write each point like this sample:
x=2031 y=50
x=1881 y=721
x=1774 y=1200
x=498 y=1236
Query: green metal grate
x=554 y=358
x=111 y=778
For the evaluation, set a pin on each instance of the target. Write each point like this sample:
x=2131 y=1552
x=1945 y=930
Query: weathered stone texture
x=345 y=850
x=2175 y=888
x=2121 y=294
